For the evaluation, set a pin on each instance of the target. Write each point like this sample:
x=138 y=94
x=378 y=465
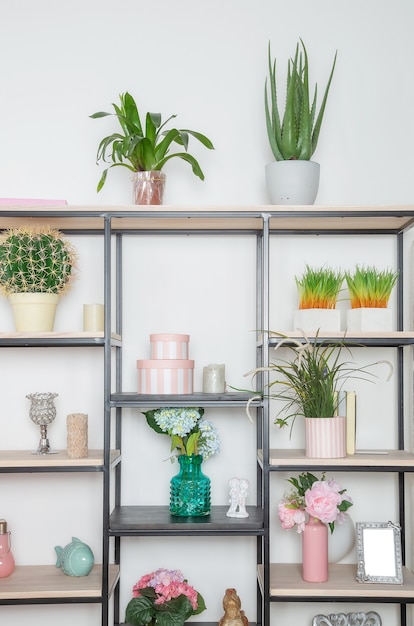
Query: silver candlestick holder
x=42 y=412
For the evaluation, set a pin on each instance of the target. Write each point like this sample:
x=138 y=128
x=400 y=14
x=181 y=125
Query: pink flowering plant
x=324 y=500
x=163 y=598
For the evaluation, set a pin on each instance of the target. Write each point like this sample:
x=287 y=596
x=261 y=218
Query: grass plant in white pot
x=318 y=291
x=36 y=267
x=369 y=290
x=293 y=178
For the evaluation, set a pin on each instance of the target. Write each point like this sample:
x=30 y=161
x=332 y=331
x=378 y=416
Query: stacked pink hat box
x=169 y=370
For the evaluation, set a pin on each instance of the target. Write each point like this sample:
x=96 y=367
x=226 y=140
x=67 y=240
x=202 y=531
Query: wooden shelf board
x=32 y=582
x=362 y=339
x=282 y=218
x=286 y=582
x=77 y=337
x=26 y=459
x=382 y=458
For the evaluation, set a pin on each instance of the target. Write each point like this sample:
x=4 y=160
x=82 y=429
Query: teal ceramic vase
x=190 y=488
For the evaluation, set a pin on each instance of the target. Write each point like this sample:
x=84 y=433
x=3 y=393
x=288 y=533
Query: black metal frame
x=114 y=401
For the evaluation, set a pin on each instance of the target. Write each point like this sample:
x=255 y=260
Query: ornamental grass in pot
x=36 y=267
x=293 y=178
x=309 y=384
x=318 y=291
x=144 y=146
x=369 y=290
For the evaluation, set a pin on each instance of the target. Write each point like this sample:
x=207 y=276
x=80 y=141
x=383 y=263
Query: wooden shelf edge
x=393 y=218
x=43 y=582
x=387 y=459
x=286 y=582
x=27 y=460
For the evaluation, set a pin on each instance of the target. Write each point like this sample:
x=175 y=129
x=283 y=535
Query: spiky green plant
x=370 y=287
x=310 y=381
x=142 y=147
x=35 y=259
x=319 y=287
x=295 y=136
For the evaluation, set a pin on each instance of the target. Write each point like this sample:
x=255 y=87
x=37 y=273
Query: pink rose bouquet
x=163 y=598
x=322 y=499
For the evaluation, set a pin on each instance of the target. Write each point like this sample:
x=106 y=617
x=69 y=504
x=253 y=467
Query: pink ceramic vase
x=315 y=552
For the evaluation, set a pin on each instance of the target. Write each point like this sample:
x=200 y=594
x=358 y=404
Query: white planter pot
x=341 y=542
x=292 y=182
x=34 y=312
x=369 y=319
x=312 y=320
x=325 y=437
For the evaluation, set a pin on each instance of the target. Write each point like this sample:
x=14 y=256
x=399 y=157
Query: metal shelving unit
x=275 y=582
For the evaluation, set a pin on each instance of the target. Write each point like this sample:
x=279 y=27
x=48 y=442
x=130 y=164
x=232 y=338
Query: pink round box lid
x=169 y=337
x=151 y=364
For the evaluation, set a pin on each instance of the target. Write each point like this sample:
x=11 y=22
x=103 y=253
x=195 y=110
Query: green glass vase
x=190 y=488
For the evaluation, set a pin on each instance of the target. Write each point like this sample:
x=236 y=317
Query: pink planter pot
x=325 y=437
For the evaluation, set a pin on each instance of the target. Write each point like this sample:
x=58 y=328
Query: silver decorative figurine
x=42 y=412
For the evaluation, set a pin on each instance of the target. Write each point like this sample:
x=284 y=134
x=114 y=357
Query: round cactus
x=35 y=259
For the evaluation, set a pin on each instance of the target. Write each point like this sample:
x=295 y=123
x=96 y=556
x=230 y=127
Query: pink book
x=31 y=202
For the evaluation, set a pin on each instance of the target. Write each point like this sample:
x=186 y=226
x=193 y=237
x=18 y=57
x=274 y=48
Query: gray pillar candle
x=77 y=435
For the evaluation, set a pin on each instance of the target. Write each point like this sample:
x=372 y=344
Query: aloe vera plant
x=144 y=147
x=296 y=134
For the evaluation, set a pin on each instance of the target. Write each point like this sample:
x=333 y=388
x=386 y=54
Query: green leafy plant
x=296 y=134
x=144 y=146
x=35 y=259
x=319 y=288
x=370 y=287
x=309 y=382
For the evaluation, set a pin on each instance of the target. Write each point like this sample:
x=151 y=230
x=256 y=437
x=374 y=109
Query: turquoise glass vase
x=190 y=488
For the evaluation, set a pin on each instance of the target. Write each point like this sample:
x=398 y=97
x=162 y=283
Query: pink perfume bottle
x=7 y=563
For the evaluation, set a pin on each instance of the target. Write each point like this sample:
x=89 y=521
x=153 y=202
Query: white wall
x=207 y=62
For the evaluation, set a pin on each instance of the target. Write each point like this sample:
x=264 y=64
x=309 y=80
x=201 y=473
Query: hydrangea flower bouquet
x=324 y=500
x=189 y=432
x=163 y=598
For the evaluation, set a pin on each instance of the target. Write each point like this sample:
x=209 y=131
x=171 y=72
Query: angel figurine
x=239 y=488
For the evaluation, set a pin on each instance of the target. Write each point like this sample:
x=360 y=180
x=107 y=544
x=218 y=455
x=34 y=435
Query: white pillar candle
x=214 y=379
x=93 y=317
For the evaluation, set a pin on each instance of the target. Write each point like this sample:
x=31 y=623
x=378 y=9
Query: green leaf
x=151 y=421
x=192 y=441
x=139 y=611
x=95 y=116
